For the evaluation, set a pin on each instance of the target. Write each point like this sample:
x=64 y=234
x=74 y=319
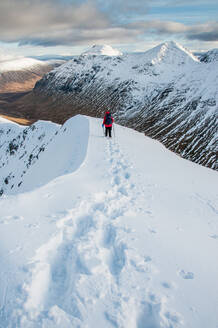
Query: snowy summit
x=104 y=50
x=171 y=53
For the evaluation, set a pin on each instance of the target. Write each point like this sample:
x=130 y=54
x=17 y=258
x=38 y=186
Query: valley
x=10 y=110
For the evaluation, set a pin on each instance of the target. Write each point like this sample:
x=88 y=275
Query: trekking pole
x=103 y=129
x=113 y=130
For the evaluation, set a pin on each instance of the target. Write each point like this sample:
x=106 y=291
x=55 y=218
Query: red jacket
x=108 y=125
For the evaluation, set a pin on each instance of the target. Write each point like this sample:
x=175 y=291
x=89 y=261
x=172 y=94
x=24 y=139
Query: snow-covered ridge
x=104 y=50
x=17 y=64
x=104 y=233
x=21 y=148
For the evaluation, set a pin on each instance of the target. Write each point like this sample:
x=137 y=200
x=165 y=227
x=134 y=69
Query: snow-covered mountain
x=209 y=56
x=104 y=233
x=166 y=92
x=19 y=64
x=21 y=74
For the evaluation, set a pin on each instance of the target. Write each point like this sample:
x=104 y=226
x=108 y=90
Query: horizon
x=52 y=56
x=69 y=27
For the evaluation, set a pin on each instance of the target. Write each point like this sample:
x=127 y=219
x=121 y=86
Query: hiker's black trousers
x=108 y=131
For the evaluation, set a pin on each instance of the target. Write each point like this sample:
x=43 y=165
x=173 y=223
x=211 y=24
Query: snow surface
x=5 y=121
x=19 y=64
x=107 y=233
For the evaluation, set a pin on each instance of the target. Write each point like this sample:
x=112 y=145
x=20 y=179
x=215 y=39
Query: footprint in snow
x=84 y=225
x=166 y=285
x=109 y=236
x=123 y=191
x=117 y=259
x=127 y=175
x=214 y=236
x=32 y=225
x=149 y=315
x=147 y=259
x=116 y=180
x=151 y=230
x=186 y=275
x=116 y=213
x=100 y=206
x=139 y=266
x=10 y=219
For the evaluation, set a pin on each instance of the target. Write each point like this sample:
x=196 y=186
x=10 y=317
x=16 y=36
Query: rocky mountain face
x=209 y=56
x=166 y=92
x=20 y=148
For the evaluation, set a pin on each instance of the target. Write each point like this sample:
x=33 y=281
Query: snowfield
x=104 y=233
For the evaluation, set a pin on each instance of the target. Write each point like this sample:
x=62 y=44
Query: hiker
x=108 y=121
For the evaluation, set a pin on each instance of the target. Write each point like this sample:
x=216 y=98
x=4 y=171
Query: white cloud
x=50 y=23
x=204 y=32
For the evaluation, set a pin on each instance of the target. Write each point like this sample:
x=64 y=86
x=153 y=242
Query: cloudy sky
x=35 y=27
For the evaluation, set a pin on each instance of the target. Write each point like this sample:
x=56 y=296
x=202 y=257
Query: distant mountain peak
x=98 y=49
x=19 y=63
x=171 y=52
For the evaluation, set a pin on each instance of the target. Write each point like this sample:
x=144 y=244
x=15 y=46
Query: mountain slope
x=166 y=92
x=209 y=56
x=106 y=233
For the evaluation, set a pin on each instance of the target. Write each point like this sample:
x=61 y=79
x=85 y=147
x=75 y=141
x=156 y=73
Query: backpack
x=108 y=119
